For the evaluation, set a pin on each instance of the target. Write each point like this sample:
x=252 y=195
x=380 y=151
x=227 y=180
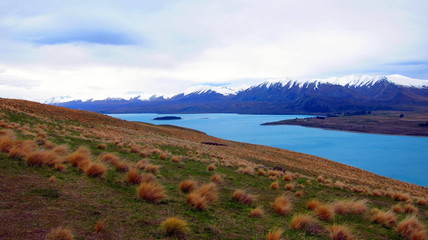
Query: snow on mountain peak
x=224 y=90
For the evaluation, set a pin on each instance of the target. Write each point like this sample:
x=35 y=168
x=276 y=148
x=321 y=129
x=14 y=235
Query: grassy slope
x=33 y=205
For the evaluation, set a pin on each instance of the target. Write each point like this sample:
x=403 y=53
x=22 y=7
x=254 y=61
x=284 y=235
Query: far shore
x=380 y=122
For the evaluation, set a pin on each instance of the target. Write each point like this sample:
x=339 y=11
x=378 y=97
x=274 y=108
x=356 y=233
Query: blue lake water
x=400 y=157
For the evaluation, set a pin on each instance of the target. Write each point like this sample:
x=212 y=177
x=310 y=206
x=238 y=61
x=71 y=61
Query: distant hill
x=350 y=93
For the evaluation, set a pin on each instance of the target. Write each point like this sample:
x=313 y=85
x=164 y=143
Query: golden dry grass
x=274 y=234
x=324 y=212
x=385 y=218
x=282 y=205
x=352 y=206
x=133 y=176
x=274 y=185
x=174 y=226
x=339 y=232
x=306 y=222
x=187 y=185
x=257 y=212
x=241 y=196
x=411 y=228
x=312 y=204
x=96 y=170
x=216 y=178
x=60 y=233
x=40 y=158
x=151 y=192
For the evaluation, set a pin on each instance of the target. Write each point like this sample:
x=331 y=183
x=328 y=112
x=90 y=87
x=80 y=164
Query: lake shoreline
x=385 y=123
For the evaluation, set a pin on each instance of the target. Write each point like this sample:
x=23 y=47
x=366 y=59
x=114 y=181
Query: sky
x=98 y=49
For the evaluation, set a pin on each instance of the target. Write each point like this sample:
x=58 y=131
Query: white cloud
x=104 y=49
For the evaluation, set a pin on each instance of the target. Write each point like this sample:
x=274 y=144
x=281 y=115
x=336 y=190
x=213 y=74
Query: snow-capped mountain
x=348 y=93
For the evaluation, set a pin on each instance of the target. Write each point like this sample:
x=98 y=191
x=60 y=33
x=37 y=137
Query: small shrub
x=175 y=227
x=411 y=228
x=133 y=176
x=216 y=178
x=257 y=212
x=242 y=197
x=151 y=192
x=274 y=185
x=282 y=205
x=211 y=167
x=60 y=233
x=187 y=185
x=95 y=170
x=324 y=212
x=312 y=204
x=386 y=219
x=274 y=234
x=289 y=186
x=339 y=232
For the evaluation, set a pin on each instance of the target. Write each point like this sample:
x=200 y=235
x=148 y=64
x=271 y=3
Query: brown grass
x=109 y=158
x=121 y=166
x=411 y=228
x=60 y=150
x=273 y=173
x=257 y=212
x=261 y=172
x=312 y=204
x=410 y=208
x=175 y=227
x=60 y=233
x=147 y=177
x=242 y=197
x=202 y=196
x=216 y=178
x=282 y=205
x=397 y=208
x=246 y=170
x=176 y=159
x=133 y=176
x=289 y=186
x=52 y=179
x=40 y=158
x=76 y=157
x=298 y=194
x=287 y=177
x=187 y=185
x=102 y=146
x=152 y=168
x=151 y=192
x=21 y=149
x=274 y=185
x=400 y=196
x=306 y=222
x=211 y=167
x=274 y=234
x=385 y=218
x=100 y=225
x=96 y=170
x=339 y=232
x=325 y=212
x=356 y=207
x=320 y=179
x=142 y=163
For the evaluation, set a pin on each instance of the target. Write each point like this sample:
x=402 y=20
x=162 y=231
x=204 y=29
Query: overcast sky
x=97 y=49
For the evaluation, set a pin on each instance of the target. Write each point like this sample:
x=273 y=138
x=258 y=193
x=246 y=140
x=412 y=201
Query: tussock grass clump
x=147 y=177
x=95 y=170
x=273 y=173
x=400 y=196
x=109 y=158
x=282 y=205
x=174 y=226
x=246 y=170
x=121 y=166
x=422 y=201
x=261 y=172
x=242 y=197
x=7 y=139
x=151 y=192
x=60 y=233
x=187 y=185
x=298 y=194
x=287 y=177
x=339 y=184
x=274 y=185
x=312 y=204
x=257 y=212
x=22 y=148
x=339 y=232
x=320 y=179
x=216 y=178
x=102 y=146
x=289 y=186
x=133 y=176
x=203 y=196
x=60 y=150
x=356 y=207
x=385 y=218
x=411 y=228
x=100 y=225
x=274 y=234
x=410 y=208
x=40 y=158
x=152 y=168
x=211 y=167
x=162 y=156
x=76 y=157
x=397 y=208
x=141 y=164
x=325 y=212
x=306 y=222
x=176 y=159
x=52 y=179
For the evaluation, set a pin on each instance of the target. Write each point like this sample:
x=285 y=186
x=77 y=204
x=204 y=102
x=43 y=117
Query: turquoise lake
x=400 y=157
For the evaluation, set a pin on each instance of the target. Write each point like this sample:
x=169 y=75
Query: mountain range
x=351 y=93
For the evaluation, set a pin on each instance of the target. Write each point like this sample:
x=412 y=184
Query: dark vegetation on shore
x=68 y=174
x=383 y=122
